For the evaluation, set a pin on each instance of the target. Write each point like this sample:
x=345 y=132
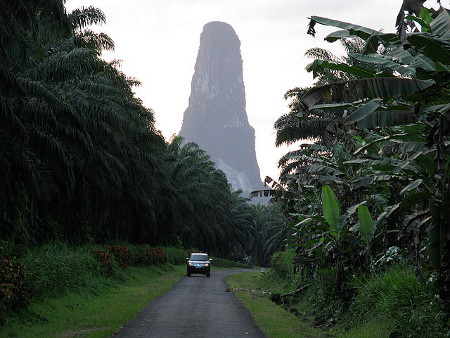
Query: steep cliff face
x=216 y=118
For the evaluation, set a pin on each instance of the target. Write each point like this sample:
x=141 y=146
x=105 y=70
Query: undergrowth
x=225 y=263
x=391 y=297
x=53 y=270
x=396 y=294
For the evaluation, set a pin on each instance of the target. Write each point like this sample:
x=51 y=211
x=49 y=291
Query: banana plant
x=331 y=237
x=405 y=102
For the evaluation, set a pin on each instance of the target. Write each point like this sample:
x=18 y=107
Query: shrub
x=156 y=256
x=225 y=263
x=138 y=255
x=15 y=290
x=55 y=268
x=121 y=254
x=282 y=262
x=105 y=259
x=396 y=294
x=176 y=256
x=393 y=255
x=11 y=249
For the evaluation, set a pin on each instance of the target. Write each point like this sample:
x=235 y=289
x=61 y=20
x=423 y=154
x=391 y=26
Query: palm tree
x=26 y=110
x=75 y=142
x=301 y=123
x=269 y=233
x=80 y=158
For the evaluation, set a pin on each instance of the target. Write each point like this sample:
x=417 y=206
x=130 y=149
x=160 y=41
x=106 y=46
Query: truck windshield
x=199 y=257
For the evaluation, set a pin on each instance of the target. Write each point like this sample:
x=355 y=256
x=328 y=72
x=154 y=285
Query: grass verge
x=277 y=321
x=274 y=320
x=98 y=314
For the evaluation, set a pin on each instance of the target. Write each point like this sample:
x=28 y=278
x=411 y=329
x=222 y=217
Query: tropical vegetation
x=366 y=202
x=375 y=179
x=82 y=163
x=81 y=160
x=67 y=290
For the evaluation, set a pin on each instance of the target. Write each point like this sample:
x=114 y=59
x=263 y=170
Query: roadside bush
x=138 y=255
x=156 y=256
x=10 y=249
x=225 y=263
x=15 y=289
x=55 y=268
x=121 y=253
x=282 y=262
x=176 y=256
x=105 y=260
x=396 y=294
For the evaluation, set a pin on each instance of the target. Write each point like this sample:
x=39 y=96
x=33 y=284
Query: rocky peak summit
x=216 y=118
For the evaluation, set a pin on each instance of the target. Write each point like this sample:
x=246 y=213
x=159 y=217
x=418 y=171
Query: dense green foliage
x=367 y=205
x=377 y=178
x=81 y=163
x=80 y=158
x=391 y=296
x=53 y=270
x=283 y=263
x=395 y=294
x=99 y=311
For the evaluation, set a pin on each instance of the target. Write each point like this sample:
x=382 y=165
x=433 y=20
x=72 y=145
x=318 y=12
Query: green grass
x=373 y=328
x=94 y=315
x=397 y=297
x=271 y=318
x=377 y=311
x=73 y=298
x=276 y=321
x=71 y=295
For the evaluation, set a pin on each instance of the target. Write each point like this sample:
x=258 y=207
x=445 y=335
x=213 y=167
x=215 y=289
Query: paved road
x=196 y=306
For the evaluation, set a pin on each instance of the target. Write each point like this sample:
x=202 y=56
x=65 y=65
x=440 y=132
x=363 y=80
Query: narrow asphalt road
x=196 y=306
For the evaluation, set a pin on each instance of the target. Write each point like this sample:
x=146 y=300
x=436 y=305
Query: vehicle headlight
x=206 y=264
x=190 y=264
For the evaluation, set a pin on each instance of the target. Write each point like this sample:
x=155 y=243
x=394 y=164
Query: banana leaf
x=366 y=88
x=384 y=216
x=437 y=49
x=352 y=30
x=328 y=106
x=385 y=61
x=363 y=112
x=366 y=227
x=441 y=25
x=402 y=56
x=324 y=178
x=412 y=185
x=441 y=108
x=331 y=210
x=415 y=221
x=425 y=25
x=318 y=66
x=323 y=170
x=423 y=62
x=364 y=181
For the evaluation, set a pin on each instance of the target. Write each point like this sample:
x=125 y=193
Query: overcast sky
x=158 y=41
